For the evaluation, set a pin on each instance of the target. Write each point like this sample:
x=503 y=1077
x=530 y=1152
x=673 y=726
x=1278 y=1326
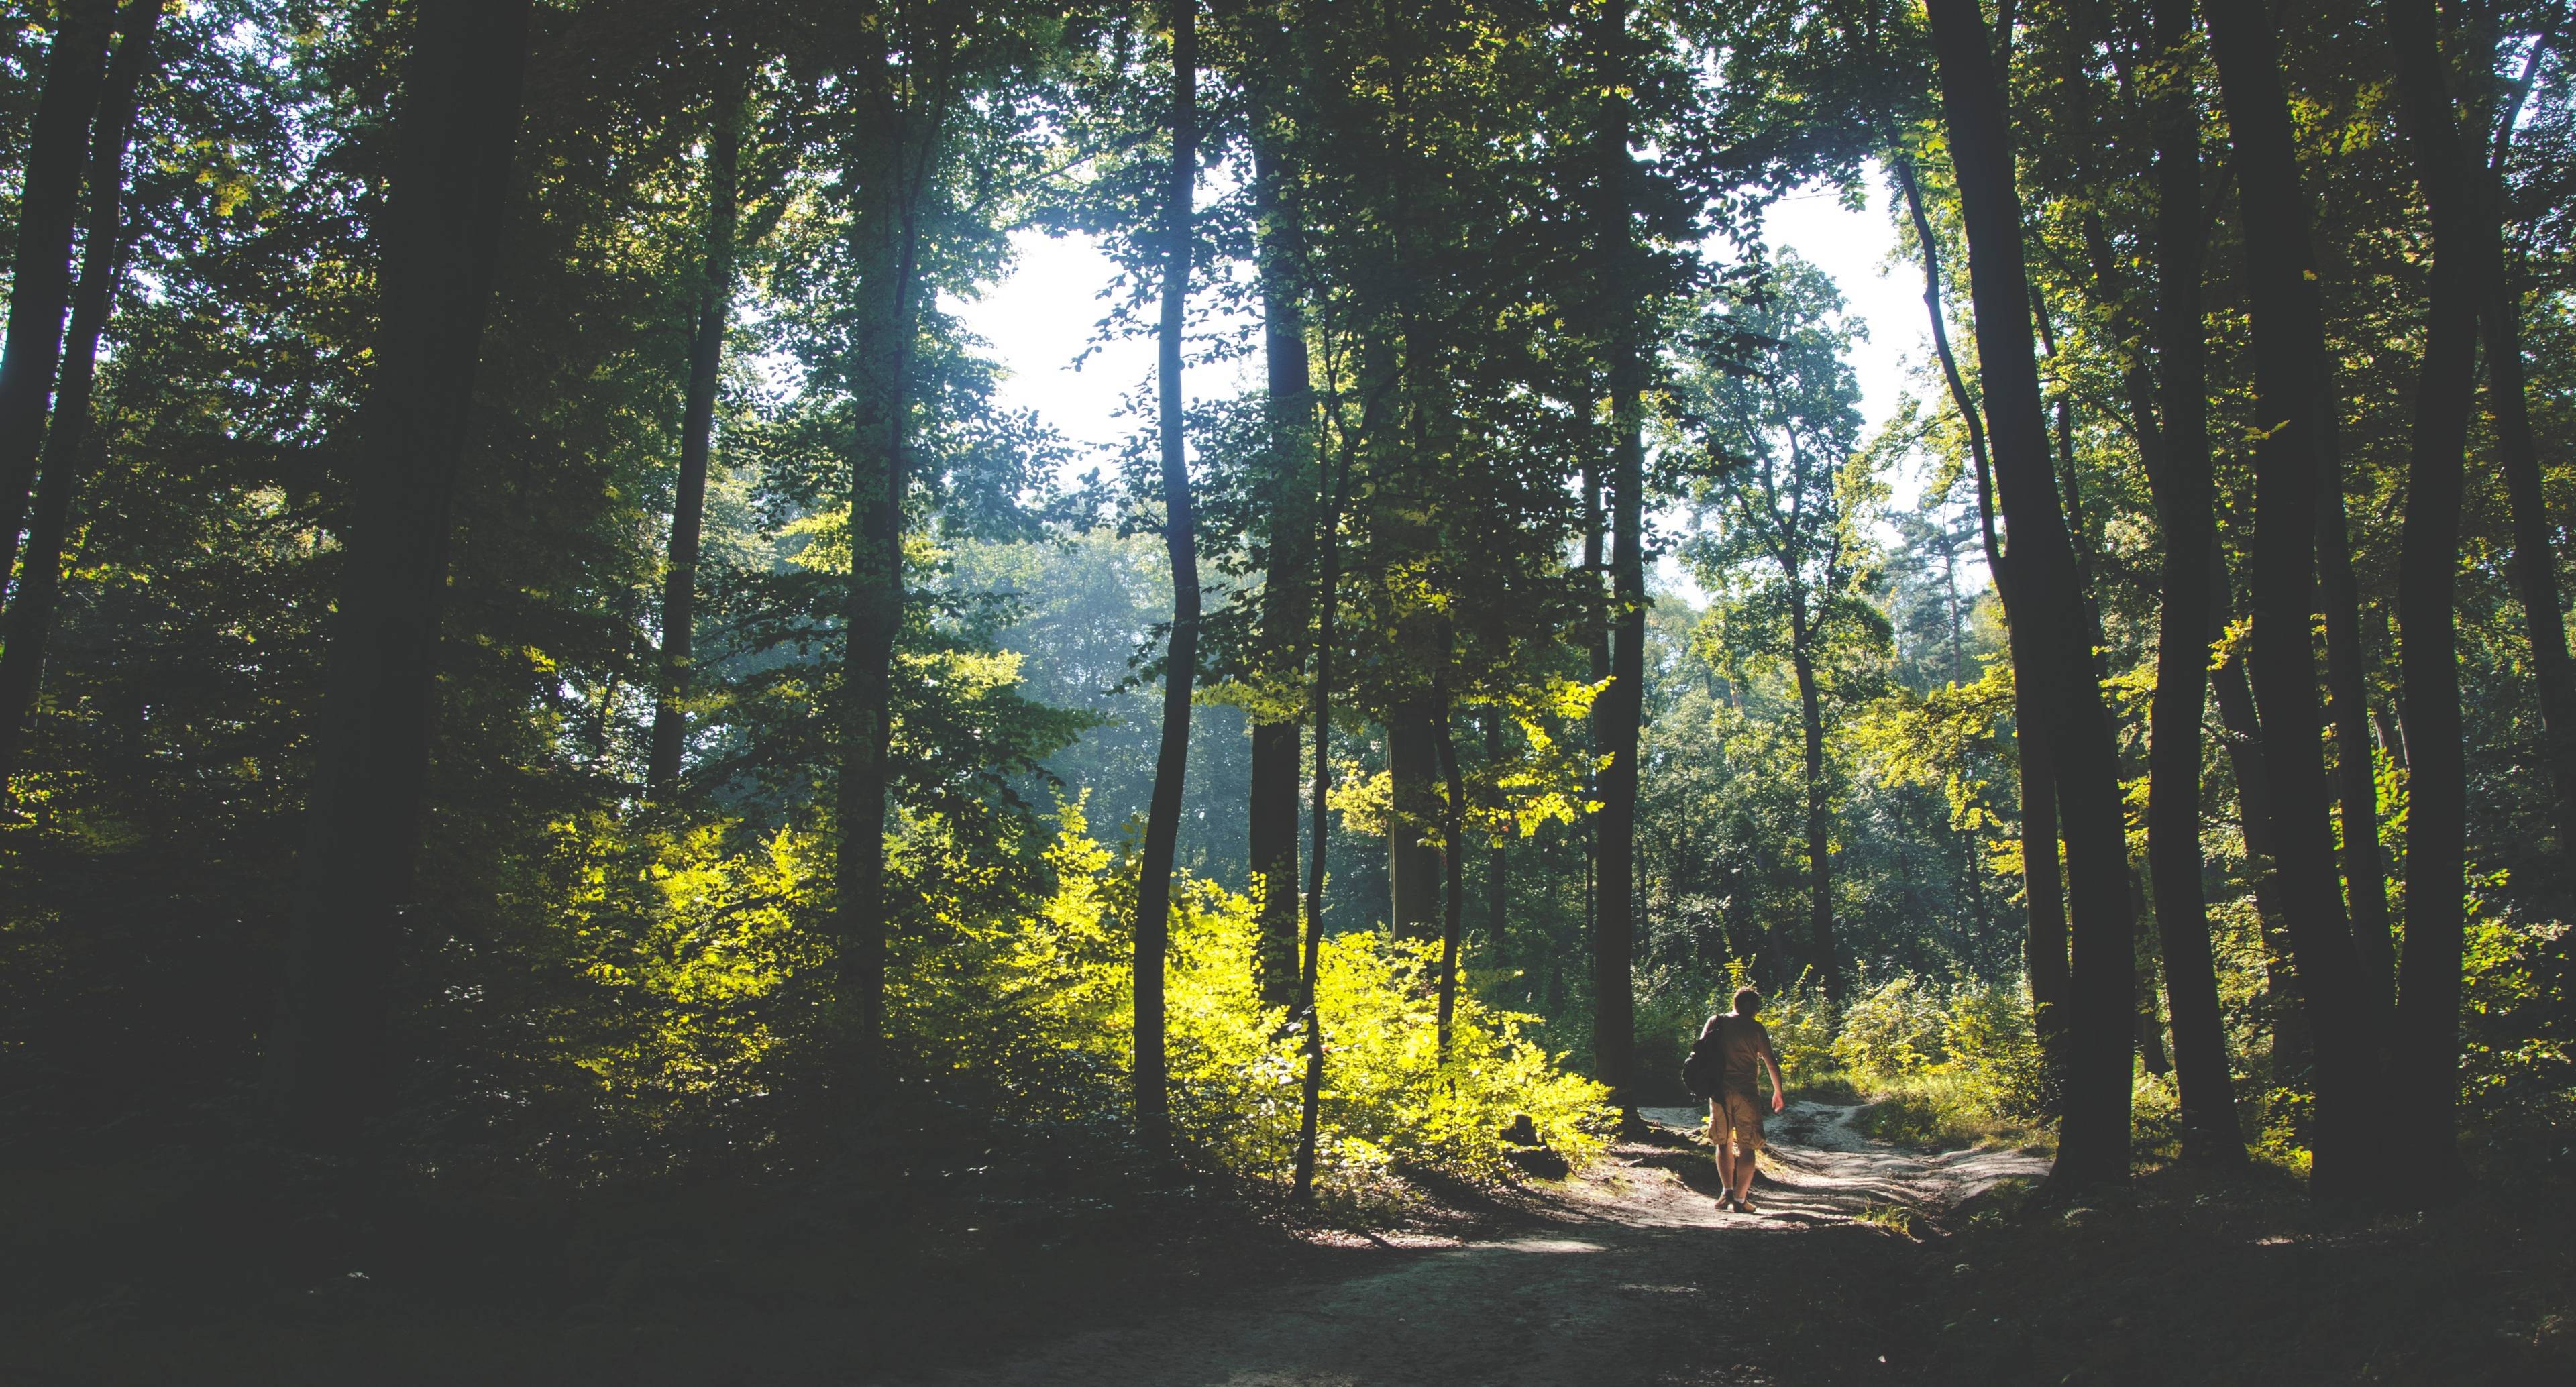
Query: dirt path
x=1632 y=1276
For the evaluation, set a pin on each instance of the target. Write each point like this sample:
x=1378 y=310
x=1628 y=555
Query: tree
x=2184 y=497
x=2289 y=349
x=1620 y=709
x=2094 y=1137
x=1180 y=538
x=1287 y=589
x=1778 y=409
x=697 y=426
x=328 y=1061
x=75 y=68
x=29 y=623
x=2499 y=299
x=2044 y=957
x=2427 y=1047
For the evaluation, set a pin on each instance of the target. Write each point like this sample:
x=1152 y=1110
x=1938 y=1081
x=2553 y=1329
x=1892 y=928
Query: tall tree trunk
x=2048 y=616
x=697 y=438
x=29 y=625
x=1328 y=591
x=1622 y=705
x=2289 y=347
x=1180 y=540
x=328 y=1062
x=1596 y=653
x=2043 y=894
x=1497 y=881
x=1453 y=830
x=1412 y=865
x=2210 y=1135
x=2427 y=1048
x=886 y=235
x=2348 y=707
x=1287 y=598
x=1820 y=862
x=48 y=206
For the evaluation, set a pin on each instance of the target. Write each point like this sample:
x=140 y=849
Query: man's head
x=1747 y=1001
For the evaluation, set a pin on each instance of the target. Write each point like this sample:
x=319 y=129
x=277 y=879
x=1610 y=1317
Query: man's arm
x=1779 y=1090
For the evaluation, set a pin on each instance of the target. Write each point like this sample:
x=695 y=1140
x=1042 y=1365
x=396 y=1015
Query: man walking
x=1735 y=1113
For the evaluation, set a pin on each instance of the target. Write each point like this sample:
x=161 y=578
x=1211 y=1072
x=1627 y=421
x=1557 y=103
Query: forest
x=559 y=728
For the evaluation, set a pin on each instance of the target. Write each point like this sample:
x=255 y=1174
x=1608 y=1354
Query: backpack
x=1703 y=1072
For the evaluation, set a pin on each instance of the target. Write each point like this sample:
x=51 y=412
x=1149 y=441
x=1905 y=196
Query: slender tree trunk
x=2289 y=347
x=1180 y=539
x=1820 y=862
x=1287 y=599
x=2047 y=615
x=48 y=206
x=29 y=625
x=887 y=236
x=2210 y=1135
x=697 y=438
x=1412 y=865
x=2535 y=566
x=1597 y=667
x=1497 y=880
x=2427 y=1048
x=2043 y=895
x=1453 y=826
x=1328 y=591
x=328 y=1064
x=1622 y=705
x=2348 y=707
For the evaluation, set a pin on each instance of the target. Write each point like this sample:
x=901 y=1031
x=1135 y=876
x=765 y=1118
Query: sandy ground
x=1631 y=1275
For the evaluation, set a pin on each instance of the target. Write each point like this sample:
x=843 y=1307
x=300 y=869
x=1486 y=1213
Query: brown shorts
x=1739 y=1120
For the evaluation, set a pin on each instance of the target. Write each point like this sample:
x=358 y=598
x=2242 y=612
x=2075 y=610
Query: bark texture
x=697 y=442
x=2048 y=618
x=1287 y=590
x=1620 y=706
x=2427 y=1048
x=328 y=1062
x=886 y=242
x=1181 y=653
x=2184 y=501
x=2288 y=349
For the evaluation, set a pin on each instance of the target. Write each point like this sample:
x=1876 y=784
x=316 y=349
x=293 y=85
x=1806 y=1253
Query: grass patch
x=1895 y=1218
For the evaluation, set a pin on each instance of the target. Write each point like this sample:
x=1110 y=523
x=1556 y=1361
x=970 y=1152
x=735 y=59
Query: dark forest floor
x=1869 y=1264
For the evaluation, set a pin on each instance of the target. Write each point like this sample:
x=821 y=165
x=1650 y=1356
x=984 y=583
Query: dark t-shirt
x=1741 y=1044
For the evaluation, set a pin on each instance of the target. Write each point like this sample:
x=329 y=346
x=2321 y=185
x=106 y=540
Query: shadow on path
x=1635 y=1277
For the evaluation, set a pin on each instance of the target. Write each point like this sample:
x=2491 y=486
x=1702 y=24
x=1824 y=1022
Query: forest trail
x=1631 y=1275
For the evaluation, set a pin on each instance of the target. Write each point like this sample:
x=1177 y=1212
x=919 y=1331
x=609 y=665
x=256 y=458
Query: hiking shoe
x=1745 y=1204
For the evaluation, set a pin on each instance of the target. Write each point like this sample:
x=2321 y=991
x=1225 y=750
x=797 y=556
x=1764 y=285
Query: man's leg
x=1718 y=1138
x=1746 y=1118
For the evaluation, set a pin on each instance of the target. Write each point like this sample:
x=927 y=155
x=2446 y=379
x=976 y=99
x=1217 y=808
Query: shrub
x=1994 y=1049
x=1801 y=1023
x=1892 y=1032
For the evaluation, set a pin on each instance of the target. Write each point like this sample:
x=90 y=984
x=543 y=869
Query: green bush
x=1892 y=1032
x=1993 y=1047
